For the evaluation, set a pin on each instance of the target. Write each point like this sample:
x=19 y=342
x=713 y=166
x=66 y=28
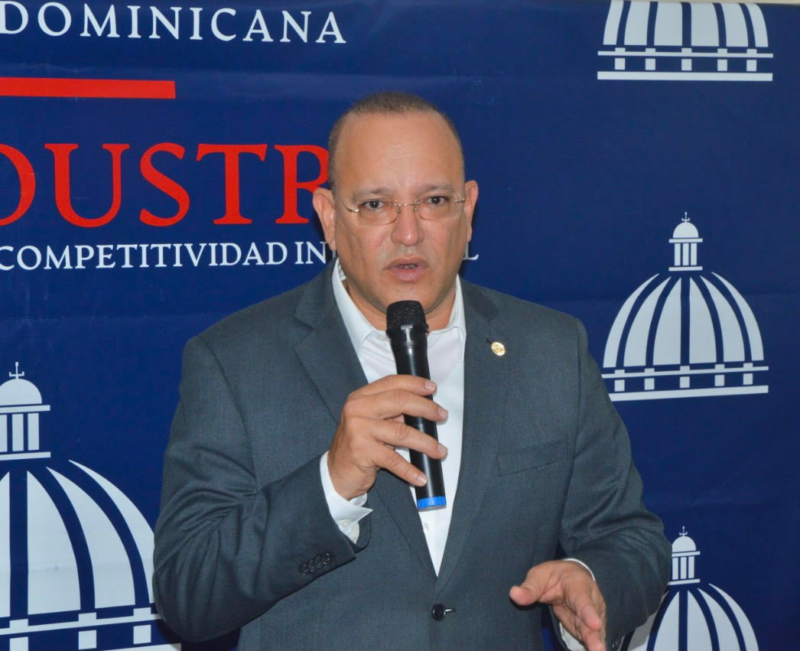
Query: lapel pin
x=498 y=348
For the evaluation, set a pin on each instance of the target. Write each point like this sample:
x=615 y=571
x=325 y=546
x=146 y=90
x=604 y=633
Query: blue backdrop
x=155 y=168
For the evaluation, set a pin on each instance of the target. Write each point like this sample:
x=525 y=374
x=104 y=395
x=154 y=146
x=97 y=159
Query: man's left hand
x=574 y=596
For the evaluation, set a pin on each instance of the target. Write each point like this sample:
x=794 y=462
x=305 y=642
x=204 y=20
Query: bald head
x=384 y=103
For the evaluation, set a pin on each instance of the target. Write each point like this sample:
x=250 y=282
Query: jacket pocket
x=533 y=456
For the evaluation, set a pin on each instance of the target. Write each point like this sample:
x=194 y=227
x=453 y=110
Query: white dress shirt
x=446 y=361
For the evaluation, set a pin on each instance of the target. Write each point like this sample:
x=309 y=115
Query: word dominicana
x=179 y=23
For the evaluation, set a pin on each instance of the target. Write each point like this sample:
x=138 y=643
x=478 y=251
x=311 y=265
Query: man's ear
x=471 y=188
x=326 y=211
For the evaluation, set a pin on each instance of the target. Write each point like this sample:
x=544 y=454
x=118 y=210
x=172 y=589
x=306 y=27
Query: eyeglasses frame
x=399 y=206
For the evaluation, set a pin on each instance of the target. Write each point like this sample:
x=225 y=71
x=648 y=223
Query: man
x=287 y=508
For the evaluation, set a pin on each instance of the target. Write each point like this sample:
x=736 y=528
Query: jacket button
x=326 y=559
x=302 y=568
x=438 y=612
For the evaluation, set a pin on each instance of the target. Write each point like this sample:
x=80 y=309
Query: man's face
x=400 y=158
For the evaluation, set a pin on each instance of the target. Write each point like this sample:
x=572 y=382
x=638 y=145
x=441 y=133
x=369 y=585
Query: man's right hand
x=371 y=426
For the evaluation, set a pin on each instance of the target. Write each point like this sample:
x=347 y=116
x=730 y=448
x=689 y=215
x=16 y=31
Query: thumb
x=529 y=591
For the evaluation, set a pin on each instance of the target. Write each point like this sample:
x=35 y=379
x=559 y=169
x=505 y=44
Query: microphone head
x=405 y=314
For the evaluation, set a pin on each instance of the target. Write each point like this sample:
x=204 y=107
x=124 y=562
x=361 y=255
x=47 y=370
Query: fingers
x=377 y=450
x=396 y=434
x=583 y=613
x=539 y=585
x=575 y=597
x=583 y=623
x=529 y=591
x=522 y=596
x=410 y=383
x=391 y=404
x=395 y=464
x=587 y=613
x=370 y=427
x=593 y=640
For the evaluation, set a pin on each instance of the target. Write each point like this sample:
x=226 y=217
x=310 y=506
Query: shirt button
x=346 y=523
x=425 y=527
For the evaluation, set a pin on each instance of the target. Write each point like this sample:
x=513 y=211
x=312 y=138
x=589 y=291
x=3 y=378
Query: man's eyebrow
x=383 y=191
x=433 y=187
x=371 y=192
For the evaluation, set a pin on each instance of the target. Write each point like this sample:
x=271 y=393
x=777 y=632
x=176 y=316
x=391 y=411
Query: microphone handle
x=431 y=495
x=411 y=357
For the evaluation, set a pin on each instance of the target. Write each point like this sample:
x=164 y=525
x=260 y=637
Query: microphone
x=408 y=332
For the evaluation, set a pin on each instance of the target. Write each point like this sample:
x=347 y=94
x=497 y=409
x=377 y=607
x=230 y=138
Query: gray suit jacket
x=245 y=538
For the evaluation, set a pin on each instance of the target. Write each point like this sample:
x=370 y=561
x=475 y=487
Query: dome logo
x=684 y=334
x=76 y=555
x=693 y=615
x=679 y=41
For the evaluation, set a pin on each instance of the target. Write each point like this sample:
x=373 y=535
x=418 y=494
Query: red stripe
x=97 y=88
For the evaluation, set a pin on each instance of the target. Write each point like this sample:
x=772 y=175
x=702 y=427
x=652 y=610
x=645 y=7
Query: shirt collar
x=359 y=329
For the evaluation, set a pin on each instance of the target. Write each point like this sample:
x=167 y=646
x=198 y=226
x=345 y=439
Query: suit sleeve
x=227 y=549
x=605 y=524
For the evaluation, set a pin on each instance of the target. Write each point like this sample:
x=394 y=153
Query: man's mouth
x=408 y=271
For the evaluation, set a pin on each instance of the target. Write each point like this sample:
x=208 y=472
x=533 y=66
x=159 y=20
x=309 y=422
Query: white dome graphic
x=692 y=616
x=684 y=334
x=672 y=41
x=17 y=391
x=75 y=553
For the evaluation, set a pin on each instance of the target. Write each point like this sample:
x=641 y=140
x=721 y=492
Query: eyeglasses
x=380 y=212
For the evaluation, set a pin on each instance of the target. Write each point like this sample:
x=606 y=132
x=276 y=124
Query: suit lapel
x=326 y=353
x=485 y=386
x=333 y=366
x=395 y=495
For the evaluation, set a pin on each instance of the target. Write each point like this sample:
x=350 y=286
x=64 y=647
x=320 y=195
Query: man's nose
x=407 y=229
